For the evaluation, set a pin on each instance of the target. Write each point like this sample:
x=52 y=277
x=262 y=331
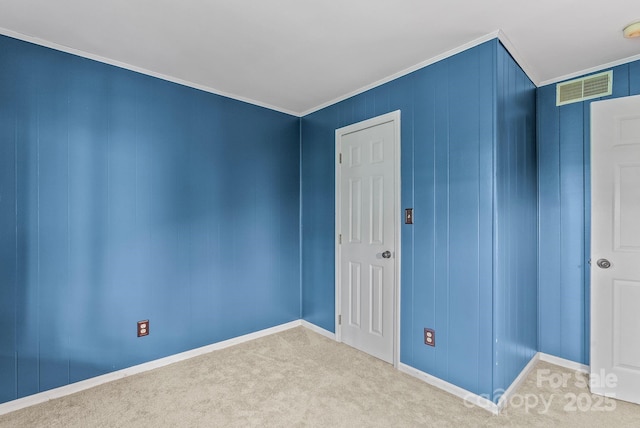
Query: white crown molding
x=499 y=34
x=590 y=70
x=406 y=71
x=519 y=59
x=83 y=54
x=62 y=48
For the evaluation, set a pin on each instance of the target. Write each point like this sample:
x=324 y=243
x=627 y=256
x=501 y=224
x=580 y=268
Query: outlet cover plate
x=429 y=337
x=143 y=328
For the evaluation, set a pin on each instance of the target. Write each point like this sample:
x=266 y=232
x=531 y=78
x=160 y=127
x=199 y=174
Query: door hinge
x=339 y=319
x=340 y=158
x=340 y=239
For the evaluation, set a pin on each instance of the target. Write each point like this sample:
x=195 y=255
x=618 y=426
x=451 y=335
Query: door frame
x=394 y=117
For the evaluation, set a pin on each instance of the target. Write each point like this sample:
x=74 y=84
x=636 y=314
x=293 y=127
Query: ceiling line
x=519 y=59
x=591 y=70
x=105 y=60
x=415 y=67
x=499 y=34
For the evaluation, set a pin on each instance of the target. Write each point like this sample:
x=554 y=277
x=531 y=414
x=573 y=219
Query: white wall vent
x=585 y=88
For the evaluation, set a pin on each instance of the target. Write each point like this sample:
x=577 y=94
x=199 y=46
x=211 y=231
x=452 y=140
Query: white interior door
x=615 y=248
x=367 y=223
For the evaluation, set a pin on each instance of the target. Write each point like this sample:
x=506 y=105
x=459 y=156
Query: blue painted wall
x=564 y=216
x=515 y=293
x=124 y=197
x=465 y=120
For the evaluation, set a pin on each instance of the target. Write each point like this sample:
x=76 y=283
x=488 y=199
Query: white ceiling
x=298 y=55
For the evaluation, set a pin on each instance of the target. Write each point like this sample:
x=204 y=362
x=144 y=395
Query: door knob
x=386 y=254
x=603 y=264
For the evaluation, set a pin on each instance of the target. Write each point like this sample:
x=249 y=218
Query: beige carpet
x=299 y=378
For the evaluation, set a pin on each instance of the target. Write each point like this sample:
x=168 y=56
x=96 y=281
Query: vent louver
x=585 y=88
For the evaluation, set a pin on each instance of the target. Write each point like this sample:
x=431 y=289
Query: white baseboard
x=469 y=397
x=506 y=396
x=319 y=330
x=483 y=402
x=62 y=391
x=568 y=364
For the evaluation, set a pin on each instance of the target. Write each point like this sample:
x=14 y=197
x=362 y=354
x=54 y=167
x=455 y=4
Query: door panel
x=366 y=198
x=376 y=291
x=626 y=325
x=615 y=238
x=627 y=207
x=355 y=285
x=355 y=211
x=376 y=210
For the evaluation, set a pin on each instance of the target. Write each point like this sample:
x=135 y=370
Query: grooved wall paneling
x=515 y=299
x=124 y=197
x=565 y=217
x=449 y=119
